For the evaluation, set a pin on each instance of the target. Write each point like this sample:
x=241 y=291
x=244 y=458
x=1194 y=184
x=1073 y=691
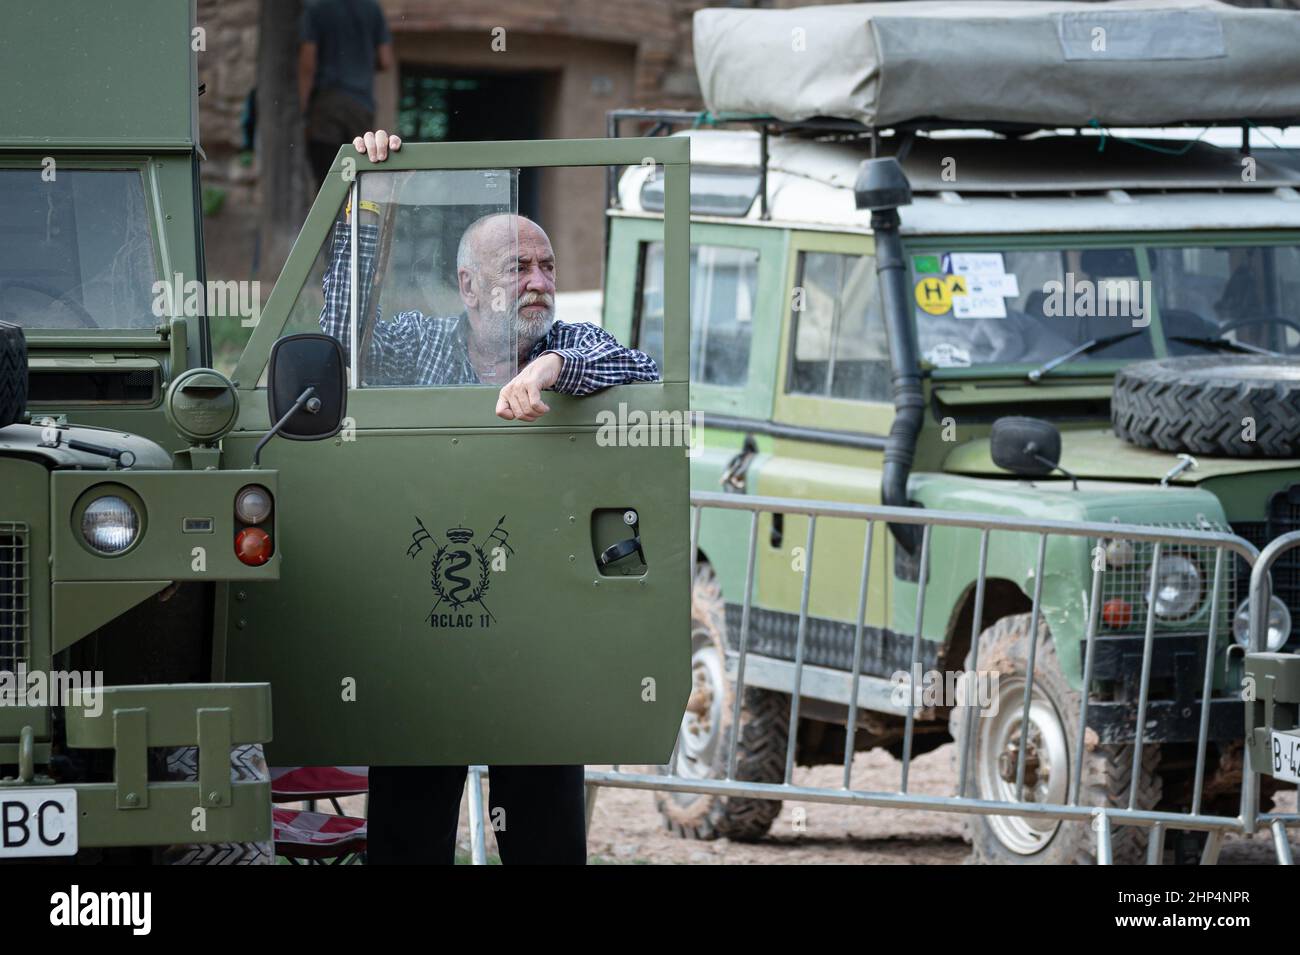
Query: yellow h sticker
x=934 y=294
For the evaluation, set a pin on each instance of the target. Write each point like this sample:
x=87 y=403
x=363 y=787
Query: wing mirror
x=307 y=390
x=1028 y=447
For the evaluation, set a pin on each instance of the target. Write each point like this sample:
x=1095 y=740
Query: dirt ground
x=626 y=828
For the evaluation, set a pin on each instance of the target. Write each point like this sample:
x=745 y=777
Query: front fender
x=1012 y=556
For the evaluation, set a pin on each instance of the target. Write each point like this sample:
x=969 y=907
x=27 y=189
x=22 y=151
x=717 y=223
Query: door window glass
x=840 y=350
x=447 y=294
x=724 y=286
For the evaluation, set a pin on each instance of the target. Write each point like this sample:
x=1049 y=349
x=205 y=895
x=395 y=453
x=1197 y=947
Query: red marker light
x=1117 y=613
x=253 y=546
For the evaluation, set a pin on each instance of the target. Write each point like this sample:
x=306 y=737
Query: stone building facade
x=559 y=67
x=556 y=68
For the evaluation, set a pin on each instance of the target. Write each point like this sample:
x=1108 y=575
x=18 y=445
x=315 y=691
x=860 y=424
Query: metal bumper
x=134 y=811
x=1273 y=680
x=1177 y=674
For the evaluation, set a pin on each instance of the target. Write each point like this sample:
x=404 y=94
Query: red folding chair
x=304 y=836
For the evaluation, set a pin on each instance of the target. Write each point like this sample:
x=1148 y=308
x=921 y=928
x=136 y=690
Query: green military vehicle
x=415 y=579
x=1172 y=398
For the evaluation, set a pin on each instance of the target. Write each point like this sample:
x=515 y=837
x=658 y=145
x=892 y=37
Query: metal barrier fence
x=1102 y=818
x=1260 y=594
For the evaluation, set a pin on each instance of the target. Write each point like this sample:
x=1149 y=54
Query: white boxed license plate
x=1286 y=757
x=37 y=822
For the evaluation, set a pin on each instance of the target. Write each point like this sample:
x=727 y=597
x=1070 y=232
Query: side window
x=839 y=348
x=724 y=283
x=76 y=253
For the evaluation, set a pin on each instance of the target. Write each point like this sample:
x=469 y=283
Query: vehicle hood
x=1100 y=454
x=25 y=440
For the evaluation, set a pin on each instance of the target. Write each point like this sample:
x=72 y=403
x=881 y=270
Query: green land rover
x=1139 y=297
x=417 y=580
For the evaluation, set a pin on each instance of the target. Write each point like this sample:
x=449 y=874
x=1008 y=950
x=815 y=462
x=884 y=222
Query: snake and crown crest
x=460 y=571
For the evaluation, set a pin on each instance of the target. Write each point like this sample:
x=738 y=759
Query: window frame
x=630 y=239
x=820 y=411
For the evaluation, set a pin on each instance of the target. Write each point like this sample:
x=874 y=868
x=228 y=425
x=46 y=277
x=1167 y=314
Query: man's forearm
x=594 y=360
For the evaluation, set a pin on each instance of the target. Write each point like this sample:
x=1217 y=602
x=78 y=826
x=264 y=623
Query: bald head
x=494 y=236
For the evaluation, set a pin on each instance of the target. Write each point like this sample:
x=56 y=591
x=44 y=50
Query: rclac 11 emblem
x=460 y=572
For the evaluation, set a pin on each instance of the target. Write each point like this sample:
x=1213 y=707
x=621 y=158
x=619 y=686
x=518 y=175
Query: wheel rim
x=700 y=736
x=1047 y=769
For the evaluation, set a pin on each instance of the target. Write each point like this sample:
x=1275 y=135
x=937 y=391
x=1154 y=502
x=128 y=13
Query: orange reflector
x=253 y=546
x=1117 y=613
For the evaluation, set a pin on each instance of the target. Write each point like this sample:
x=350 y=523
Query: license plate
x=37 y=822
x=1286 y=757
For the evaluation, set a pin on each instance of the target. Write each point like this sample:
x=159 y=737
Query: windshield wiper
x=1222 y=344
x=1091 y=345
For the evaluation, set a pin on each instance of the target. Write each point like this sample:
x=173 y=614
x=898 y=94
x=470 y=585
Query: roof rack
x=667 y=121
x=825 y=128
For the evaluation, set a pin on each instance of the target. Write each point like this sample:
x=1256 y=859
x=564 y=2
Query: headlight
x=109 y=524
x=1178 y=587
x=253 y=504
x=1279 y=624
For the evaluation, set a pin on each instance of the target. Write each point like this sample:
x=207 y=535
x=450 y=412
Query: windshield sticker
x=935 y=294
x=932 y=296
x=979 y=306
x=948 y=355
x=1005 y=285
x=974 y=263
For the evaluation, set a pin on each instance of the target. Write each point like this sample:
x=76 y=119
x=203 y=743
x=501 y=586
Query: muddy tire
x=13 y=374
x=706 y=734
x=1054 y=714
x=246 y=763
x=1204 y=404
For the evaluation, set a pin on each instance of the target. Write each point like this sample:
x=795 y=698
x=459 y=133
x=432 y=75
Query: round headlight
x=109 y=524
x=1279 y=624
x=253 y=504
x=1178 y=587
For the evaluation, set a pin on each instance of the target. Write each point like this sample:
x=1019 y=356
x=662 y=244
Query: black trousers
x=538 y=814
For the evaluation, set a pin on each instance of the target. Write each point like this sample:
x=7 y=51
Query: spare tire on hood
x=13 y=374
x=1240 y=406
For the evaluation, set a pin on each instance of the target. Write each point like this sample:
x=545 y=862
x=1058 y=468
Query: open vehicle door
x=463 y=588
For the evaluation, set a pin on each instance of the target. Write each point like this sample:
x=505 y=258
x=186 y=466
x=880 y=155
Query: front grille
x=1283 y=516
x=15 y=603
x=1126 y=587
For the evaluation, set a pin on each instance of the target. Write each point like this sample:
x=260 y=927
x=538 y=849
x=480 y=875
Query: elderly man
x=537 y=811
x=496 y=332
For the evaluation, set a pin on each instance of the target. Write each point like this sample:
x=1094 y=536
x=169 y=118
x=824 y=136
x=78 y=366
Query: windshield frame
x=1138 y=242
x=142 y=165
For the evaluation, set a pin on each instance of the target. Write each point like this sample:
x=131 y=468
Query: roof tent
x=998 y=63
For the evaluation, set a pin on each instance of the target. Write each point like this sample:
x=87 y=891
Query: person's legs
x=413 y=813
x=539 y=814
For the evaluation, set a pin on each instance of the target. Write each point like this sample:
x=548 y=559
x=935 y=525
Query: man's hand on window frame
x=521 y=398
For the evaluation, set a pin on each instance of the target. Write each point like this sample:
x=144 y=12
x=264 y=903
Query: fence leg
x=1210 y=855
x=591 y=803
x=1281 y=844
x=1101 y=826
x=477 y=835
x=1156 y=845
